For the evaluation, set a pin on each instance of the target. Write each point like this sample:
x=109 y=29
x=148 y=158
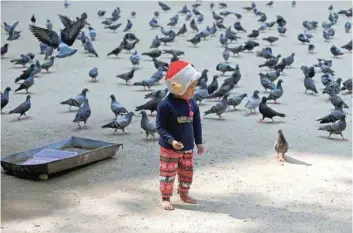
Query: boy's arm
x=197 y=125
x=162 y=122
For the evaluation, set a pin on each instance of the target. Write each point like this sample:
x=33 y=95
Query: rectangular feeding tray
x=59 y=156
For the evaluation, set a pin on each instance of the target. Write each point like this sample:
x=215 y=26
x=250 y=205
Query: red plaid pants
x=170 y=163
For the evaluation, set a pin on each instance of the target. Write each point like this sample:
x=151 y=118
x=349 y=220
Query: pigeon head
x=244 y=95
x=31 y=55
x=131 y=114
x=256 y=93
x=8 y=89
x=112 y=97
x=6 y=45
x=280 y=132
x=28 y=97
x=264 y=99
x=339 y=80
x=143 y=113
x=279 y=81
x=215 y=77
x=85 y=90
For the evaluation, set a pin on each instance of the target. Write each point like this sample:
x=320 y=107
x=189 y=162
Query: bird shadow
x=70 y=111
x=291 y=160
x=117 y=133
x=271 y=122
x=333 y=139
x=214 y=119
x=92 y=81
x=124 y=84
x=21 y=119
x=142 y=90
x=24 y=93
x=236 y=110
x=19 y=67
x=113 y=58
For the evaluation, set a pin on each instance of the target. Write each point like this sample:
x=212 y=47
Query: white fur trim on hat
x=182 y=79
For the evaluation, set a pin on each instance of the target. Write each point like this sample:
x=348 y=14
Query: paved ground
x=240 y=186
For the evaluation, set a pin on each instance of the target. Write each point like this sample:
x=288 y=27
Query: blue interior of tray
x=63 y=149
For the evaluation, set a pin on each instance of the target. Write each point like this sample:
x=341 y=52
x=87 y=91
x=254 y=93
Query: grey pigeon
x=309 y=84
x=235 y=100
x=152 y=105
x=161 y=93
x=201 y=94
x=37 y=68
x=213 y=85
x=219 y=108
x=127 y=76
x=273 y=75
x=4 y=49
x=116 y=51
x=271 y=63
x=83 y=113
x=277 y=92
x=333 y=87
x=147 y=125
x=65 y=51
x=146 y=83
x=25 y=58
x=26 y=84
x=88 y=46
x=222 y=91
x=120 y=123
x=235 y=50
x=77 y=100
x=266 y=82
x=289 y=60
x=47 y=64
x=347 y=85
x=156 y=42
x=336 y=128
x=116 y=107
x=336 y=100
x=253 y=102
x=224 y=67
x=5 y=97
x=93 y=73
x=22 y=108
x=48 y=52
x=14 y=35
x=26 y=73
x=226 y=54
x=334 y=115
x=270 y=39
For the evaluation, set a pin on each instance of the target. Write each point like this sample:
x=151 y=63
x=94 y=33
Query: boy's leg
x=185 y=174
x=168 y=165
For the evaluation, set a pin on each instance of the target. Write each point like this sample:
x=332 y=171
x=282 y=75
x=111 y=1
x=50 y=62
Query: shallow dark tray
x=89 y=151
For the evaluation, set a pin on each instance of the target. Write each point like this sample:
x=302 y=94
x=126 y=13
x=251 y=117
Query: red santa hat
x=179 y=77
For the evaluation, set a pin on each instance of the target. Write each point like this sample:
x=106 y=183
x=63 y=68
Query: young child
x=179 y=126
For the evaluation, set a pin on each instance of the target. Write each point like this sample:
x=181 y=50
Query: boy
x=179 y=126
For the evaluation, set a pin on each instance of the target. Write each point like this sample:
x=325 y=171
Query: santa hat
x=179 y=77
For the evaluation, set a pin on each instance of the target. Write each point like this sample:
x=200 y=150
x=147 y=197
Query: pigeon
x=66 y=4
x=135 y=58
x=336 y=100
x=223 y=40
x=48 y=52
x=153 y=23
x=224 y=67
x=77 y=100
x=273 y=75
x=48 y=64
x=265 y=53
x=26 y=84
x=347 y=85
x=268 y=112
x=219 y=108
x=335 y=51
x=193 y=25
x=237 y=26
x=336 y=128
x=213 y=85
x=235 y=50
x=250 y=45
x=222 y=5
x=65 y=51
x=128 y=26
x=156 y=42
x=164 y=6
x=113 y=27
x=133 y=14
x=282 y=30
x=159 y=93
x=225 y=54
x=311 y=48
x=289 y=60
x=277 y=92
x=101 y=13
x=160 y=64
x=254 y=34
x=308 y=71
x=195 y=40
x=309 y=84
x=5 y=97
x=88 y=46
x=293 y=3
x=146 y=83
x=217 y=17
x=182 y=30
x=200 y=19
x=147 y=125
x=263 y=17
x=93 y=73
x=201 y=94
x=153 y=54
x=120 y=123
x=281 y=146
x=348 y=46
x=26 y=73
x=83 y=113
x=271 y=63
x=25 y=58
x=116 y=51
x=22 y=108
x=127 y=76
x=37 y=68
x=92 y=33
x=222 y=91
x=347 y=26
x=266 y=82
x=333 y=87
x=334 y=115
x=184 y=10
x=151 y=105
x=116 y=107
x=270 y=39
x=10 y=28
x=302 y=38
x=4 y=49
x=270 y=3
x=14 y=35
x=235 y=100
x=156 y=14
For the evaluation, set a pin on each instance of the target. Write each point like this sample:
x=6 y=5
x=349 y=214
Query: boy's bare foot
x=167 y=205
x=186 y=198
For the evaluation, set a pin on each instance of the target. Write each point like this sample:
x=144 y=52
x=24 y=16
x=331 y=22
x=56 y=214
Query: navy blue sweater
x=175 y=122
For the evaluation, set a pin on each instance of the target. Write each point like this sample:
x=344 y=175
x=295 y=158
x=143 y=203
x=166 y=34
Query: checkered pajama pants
x=170 y=163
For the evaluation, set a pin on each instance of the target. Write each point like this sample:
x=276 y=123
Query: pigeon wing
x=49 y=38
x=66 y=21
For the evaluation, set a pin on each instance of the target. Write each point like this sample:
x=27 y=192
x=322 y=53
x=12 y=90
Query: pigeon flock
x=247 y=35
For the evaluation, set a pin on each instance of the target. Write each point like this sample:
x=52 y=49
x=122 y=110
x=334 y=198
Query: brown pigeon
x=281 y=146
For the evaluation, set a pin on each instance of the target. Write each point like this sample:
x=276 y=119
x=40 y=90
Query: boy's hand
x=200 y=149
x=177 y=145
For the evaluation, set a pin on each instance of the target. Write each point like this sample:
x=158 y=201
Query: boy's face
x=190 y=91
